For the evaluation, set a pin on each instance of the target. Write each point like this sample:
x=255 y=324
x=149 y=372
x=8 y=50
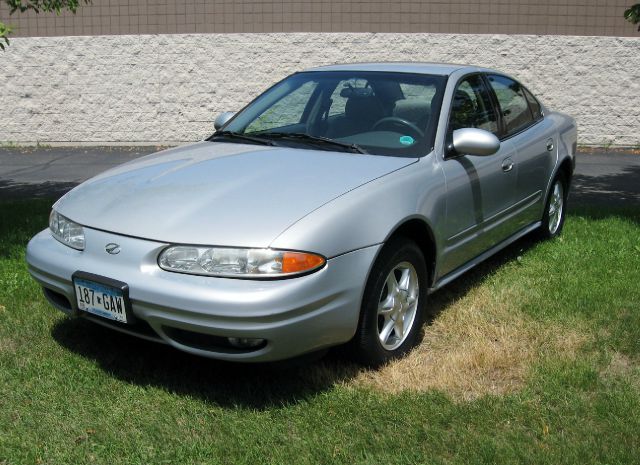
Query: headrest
x=412 y=110
x=349 y=92
x=364 y=108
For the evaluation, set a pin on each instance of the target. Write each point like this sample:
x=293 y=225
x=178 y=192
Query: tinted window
x=513 y=104
x=339 y=98
x=407 y=101
x=385 y=113
x=471 y=106
x=533 y=104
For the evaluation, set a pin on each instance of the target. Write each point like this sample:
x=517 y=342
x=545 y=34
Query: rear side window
x=513 y=103
x=533 y=104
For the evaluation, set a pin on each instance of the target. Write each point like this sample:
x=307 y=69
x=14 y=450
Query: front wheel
x=393 y=306
x=555 y=209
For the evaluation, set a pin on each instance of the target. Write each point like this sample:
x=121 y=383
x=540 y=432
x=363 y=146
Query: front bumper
x=294 y=316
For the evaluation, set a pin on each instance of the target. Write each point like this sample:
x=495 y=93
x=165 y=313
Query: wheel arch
x=418 y=230
x=414 y=229
x=564 y=168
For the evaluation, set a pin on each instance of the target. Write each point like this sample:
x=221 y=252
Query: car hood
x=219 y=193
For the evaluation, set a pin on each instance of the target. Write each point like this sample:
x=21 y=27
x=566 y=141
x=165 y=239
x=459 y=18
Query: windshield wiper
x=317 y=140
x=239 y=136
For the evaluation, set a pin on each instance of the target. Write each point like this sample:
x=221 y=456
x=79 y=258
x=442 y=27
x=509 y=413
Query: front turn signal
x=300 y=262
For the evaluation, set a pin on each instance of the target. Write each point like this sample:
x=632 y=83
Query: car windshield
x=379 y=113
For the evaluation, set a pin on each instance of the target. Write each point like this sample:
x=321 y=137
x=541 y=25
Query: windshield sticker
x=407 y=140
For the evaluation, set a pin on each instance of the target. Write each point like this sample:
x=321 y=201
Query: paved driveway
x=600 y=178
x=607 y=179
x=50 y=172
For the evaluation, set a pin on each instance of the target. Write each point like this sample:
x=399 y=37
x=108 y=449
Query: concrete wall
x=169 y=88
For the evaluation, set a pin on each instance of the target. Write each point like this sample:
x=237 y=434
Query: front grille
x=138 y=328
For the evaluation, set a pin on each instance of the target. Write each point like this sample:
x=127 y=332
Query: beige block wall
x=169 y=88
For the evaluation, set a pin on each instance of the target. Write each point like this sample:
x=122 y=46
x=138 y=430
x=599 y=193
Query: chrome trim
x=507 y=165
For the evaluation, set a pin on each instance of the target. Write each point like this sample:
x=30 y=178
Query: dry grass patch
x=7 y=345
x=622 y=366
x=479 y=344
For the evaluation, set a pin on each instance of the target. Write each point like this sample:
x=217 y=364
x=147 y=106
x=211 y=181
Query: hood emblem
x=111 y=248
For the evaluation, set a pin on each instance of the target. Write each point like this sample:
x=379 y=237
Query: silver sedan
x=323 y=213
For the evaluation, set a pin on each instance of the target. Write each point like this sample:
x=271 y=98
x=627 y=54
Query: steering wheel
x=395 y=122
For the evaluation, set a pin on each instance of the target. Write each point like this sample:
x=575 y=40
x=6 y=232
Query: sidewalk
x=600 y=178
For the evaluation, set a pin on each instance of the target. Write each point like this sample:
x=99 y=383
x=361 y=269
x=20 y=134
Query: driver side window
x=471 y=106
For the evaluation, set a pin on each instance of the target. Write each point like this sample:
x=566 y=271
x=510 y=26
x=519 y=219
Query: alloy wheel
x=397 y=305
x=556 y=206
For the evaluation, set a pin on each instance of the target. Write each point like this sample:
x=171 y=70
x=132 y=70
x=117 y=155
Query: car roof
x=443 y=69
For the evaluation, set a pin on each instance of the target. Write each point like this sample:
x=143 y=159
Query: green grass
x=72 y=392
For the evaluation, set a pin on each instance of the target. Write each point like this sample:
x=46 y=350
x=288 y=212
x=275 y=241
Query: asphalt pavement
x=605 y=178
x=49 y=172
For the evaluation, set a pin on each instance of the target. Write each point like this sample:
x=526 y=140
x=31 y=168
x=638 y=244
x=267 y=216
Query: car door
x=480 y=189
x=533 y=138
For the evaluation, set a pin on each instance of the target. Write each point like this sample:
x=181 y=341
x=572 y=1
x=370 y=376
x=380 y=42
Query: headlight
x=66 y=231
x=238 y=263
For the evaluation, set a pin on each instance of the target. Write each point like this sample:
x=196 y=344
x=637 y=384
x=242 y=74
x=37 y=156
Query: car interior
x=380 y=106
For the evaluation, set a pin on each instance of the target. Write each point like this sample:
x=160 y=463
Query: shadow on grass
x=246 y=385
x=258 y=385
x=458 y=288
x=251 y=386
x=20 y=220
x=147 y=363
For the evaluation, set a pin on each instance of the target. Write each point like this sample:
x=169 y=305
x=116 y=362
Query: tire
x=555 y=209
x=396 y=289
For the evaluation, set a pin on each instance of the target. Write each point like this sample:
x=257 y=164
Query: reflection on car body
x=323 y=213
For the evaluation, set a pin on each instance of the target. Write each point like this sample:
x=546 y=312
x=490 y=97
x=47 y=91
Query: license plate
x=102 y=296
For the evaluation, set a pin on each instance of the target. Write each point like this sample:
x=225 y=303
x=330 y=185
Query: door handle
x=507 y=165
x=549 y=145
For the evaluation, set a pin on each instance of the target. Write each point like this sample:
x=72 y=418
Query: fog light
x=244 y=342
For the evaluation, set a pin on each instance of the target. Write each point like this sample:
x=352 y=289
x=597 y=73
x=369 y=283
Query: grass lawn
x=533 y=357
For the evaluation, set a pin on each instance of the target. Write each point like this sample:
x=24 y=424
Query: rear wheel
x=554 y=213
x=393 y=305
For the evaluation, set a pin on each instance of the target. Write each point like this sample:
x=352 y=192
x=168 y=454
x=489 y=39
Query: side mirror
x=471 y=141
x=222 y=119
